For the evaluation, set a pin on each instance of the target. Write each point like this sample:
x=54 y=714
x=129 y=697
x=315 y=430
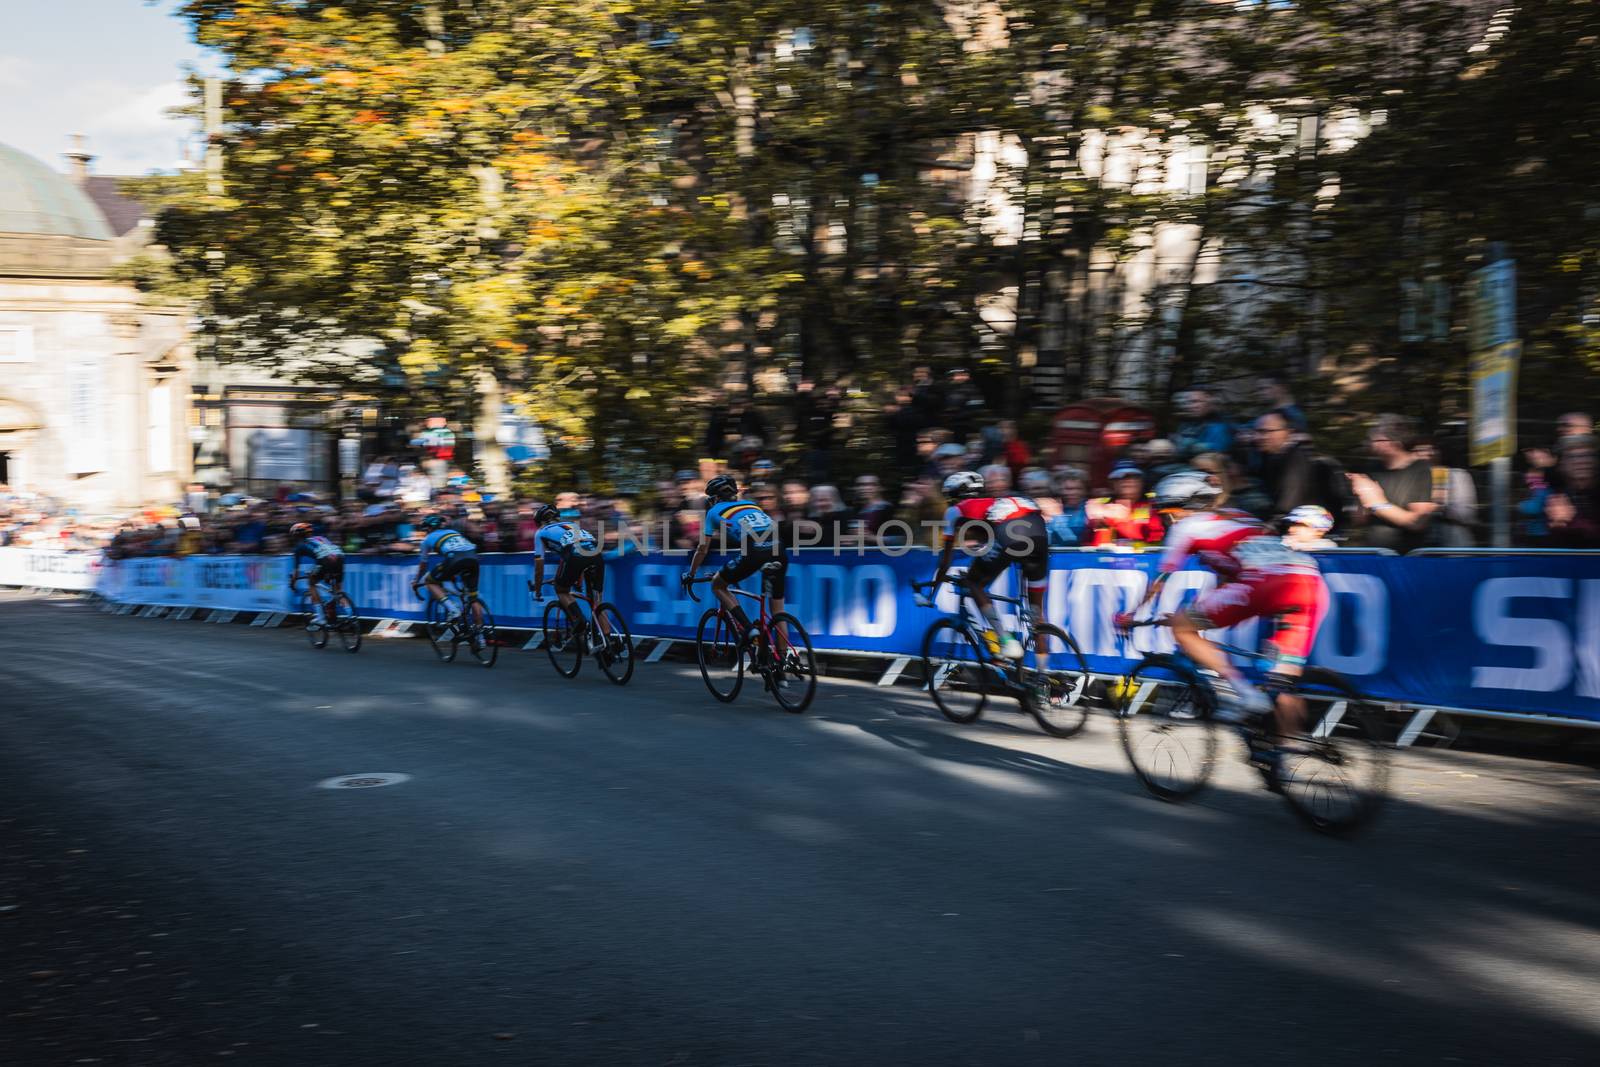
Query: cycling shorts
x=463 y=567
x=587 y=567
x=1298 y=599
x=773 y=582
x=329 y=569
x=1023 y=540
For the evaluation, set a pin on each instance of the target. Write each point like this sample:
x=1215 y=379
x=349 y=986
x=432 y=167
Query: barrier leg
x=534 y=641
x=224 y=616
x=1419 y=719
x=184 y=614
x=896 y=667
x=659 y=651
x=1331 y=719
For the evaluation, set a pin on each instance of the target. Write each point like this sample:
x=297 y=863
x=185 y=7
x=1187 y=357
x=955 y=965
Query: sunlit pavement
x=577 y=873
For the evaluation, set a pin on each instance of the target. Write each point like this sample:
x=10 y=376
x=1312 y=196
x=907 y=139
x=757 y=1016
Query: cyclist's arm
x=700 y=551
x=1151 y=591
x=945 y=555
x=538 y=574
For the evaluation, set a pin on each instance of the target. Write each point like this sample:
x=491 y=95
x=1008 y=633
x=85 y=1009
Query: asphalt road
x=580 y=874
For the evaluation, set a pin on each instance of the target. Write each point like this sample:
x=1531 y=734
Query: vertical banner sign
x=1495 y=353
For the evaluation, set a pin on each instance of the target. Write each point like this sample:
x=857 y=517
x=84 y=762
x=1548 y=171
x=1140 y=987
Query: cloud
x=129 y=125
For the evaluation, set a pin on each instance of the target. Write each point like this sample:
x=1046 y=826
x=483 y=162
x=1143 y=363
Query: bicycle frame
x=763 y=620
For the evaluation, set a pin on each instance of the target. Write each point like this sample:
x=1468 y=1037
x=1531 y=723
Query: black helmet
x=1190 y=490
x=722 y=487
x=543 y=513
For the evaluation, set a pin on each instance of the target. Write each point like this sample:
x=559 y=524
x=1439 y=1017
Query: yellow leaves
x=455 y=105
x=368 y=116
x=344 y=79
x=318 y=155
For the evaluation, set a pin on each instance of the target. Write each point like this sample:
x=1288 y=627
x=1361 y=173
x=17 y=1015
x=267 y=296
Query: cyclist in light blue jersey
x=731 y=519
x=323 y=561
x=446 y=554
x=580 y=560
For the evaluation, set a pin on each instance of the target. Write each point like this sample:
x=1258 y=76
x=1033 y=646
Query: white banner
x=49 y=568
x=237 y=583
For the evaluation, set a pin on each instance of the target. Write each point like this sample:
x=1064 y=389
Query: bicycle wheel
x=1164 y=716
x=716 y=645
x=616 y=659
x=349 y=623
x=1065 y=710
x=316 y=632
x=482 y=637
x=955 y=670
x=793 y=679
x=1337 y=779
x=561 y=644
x=441 y=628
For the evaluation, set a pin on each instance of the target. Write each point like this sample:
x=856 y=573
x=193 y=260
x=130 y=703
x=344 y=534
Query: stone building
x=94 y=376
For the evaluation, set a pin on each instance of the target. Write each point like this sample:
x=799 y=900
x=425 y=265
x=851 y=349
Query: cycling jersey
x=447 y=544
x=562 y=538
x=316 y=550
x=1261 y=578
x=739 y=518
x=756 y=533
x=1016 y=531
x=987 y=510
x=1232 y=544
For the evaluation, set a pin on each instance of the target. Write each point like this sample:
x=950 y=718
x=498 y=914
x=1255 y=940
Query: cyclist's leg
x=1302 y=601
x=466 y=572
x=594 y=587
x=1226 y=605
x=733 y=572
x=1035 y=565
x=775 y=584
x=980 y=573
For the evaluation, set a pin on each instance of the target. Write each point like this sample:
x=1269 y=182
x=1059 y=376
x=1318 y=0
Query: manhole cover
x=363 y=781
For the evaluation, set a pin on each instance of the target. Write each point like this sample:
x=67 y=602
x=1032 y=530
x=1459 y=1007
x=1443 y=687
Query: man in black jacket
x=1286 y=474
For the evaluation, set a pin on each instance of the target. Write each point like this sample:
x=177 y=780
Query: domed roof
x=37 y=200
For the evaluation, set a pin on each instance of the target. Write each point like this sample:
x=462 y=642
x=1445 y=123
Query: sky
x=108 y=69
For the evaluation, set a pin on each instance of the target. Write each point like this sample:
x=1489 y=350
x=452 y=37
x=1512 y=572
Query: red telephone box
x=1092 y=433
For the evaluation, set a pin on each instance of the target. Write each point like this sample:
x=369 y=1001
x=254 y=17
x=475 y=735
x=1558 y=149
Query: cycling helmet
x=300 y=531
x=963 y=484
x=543 y=513
x=1190 y=490
x=722 y=487
x=432 y=522
x=1313 y=516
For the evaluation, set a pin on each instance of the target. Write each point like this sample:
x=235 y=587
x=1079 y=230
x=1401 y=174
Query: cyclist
x=580 y=558
x=1258 y=576
x=324 y=563
x=456 y=556
x=729 y=514
x=1013 y=529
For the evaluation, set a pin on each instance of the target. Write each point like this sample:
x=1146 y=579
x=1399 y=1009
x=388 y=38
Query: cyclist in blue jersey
x=323 y=561
x=447 y=554
x=580 y=560
x=730 y=518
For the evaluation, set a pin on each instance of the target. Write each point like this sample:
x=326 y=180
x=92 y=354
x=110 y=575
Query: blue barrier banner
x=1507 y=633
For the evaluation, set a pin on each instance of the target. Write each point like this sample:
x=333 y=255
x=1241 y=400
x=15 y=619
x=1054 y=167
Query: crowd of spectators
x=1413 y=492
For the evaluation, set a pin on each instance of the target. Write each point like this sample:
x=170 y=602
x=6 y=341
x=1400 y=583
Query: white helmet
x=963 y=484
x=1313 y=516
x=1190 y=490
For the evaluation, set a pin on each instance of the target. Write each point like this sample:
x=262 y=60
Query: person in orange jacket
x=1127 y=516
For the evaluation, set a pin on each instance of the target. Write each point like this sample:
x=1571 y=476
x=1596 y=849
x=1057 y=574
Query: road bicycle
x=613 y=651
x=341 y=615
x=459 y=618
x=960 y=670
x=726 y=650
x=1334 y=778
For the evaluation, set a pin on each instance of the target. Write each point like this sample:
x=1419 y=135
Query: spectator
x=1039 y=487
x=1397 y=500
x=948 y=458
x=1011 y=450
x=1274 y=392
x=1203 y=429
x=1308 y=527
x=1285 y=470
x=1072 y=528
x=904 y=423
x=1163 y=459
x=1455 y=522
x=962 y=404
x=874 y=508
x=1573 y=509
x=1126 y=517
x=828 y=513
x=996 y=479
x=922 y=508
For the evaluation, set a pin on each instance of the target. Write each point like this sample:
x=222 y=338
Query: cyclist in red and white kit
x=1258 y=577
x=1013 y=530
